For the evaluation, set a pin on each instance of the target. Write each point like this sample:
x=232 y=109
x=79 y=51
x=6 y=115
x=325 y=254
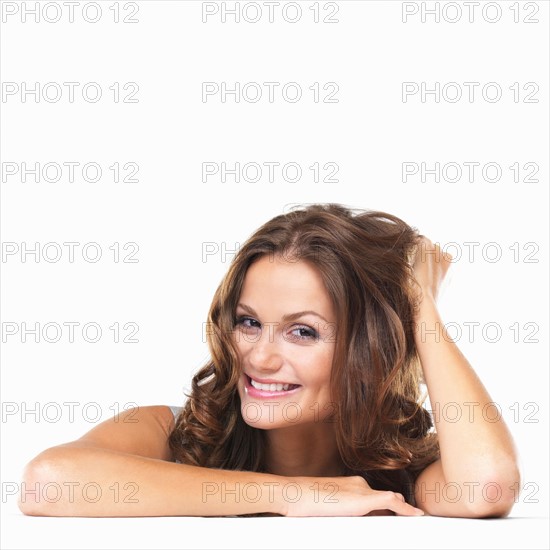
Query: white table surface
x=19 y=531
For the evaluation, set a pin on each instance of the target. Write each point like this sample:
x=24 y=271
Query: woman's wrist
x=425 y=295
x=427 y=319
x=425 y=304
x=294 y=491
x=277 y=487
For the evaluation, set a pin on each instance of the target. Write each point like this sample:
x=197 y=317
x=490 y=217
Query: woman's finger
x=396 y=503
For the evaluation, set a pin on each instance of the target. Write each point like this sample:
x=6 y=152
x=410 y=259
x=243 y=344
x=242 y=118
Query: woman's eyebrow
x=288 y=317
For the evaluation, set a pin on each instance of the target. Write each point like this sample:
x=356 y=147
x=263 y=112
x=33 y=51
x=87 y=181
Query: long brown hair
x=382 y=429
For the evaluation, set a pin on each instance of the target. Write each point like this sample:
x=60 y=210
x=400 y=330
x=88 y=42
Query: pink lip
x=255 y=392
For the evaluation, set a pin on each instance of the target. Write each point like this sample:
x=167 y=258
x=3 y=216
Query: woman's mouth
x=258 y=389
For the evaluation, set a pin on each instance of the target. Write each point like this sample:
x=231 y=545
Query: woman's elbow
x=496 y=496
x=39 y=487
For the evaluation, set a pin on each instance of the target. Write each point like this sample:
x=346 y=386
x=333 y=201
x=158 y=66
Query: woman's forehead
x=277 y=284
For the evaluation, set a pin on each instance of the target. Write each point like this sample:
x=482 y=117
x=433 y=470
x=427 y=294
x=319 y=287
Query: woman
x=320 y=335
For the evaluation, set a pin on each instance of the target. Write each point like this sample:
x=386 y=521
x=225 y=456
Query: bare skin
x=302 y=455
x=477 y=456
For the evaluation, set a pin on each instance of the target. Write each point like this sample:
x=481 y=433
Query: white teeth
x=269 y=387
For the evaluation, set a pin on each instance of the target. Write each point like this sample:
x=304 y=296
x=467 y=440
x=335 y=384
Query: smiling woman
x=310 y=404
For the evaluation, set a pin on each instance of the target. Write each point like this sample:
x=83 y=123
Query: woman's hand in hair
x=430 y=266
x=340 y=496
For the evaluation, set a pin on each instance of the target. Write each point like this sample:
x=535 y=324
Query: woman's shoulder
x=155 y=415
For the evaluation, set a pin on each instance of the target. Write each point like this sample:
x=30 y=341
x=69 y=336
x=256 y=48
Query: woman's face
x=285 y=335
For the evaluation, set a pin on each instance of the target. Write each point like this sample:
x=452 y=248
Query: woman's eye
x=247 y=323
x=296 y=334
x=304 y=333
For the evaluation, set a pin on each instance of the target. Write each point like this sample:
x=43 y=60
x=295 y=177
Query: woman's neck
x=303 y=451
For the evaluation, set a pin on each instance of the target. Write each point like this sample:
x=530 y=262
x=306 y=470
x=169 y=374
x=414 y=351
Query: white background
x=172 y=215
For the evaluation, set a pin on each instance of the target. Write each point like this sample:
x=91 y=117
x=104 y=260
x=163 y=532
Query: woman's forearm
x=474 y=440
x=89 y=481
x=82 y=480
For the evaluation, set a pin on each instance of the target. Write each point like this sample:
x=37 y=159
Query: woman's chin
x=263 y=421
x=266 y=417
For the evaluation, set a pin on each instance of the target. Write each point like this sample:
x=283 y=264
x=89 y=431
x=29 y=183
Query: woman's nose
x=264 y=352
